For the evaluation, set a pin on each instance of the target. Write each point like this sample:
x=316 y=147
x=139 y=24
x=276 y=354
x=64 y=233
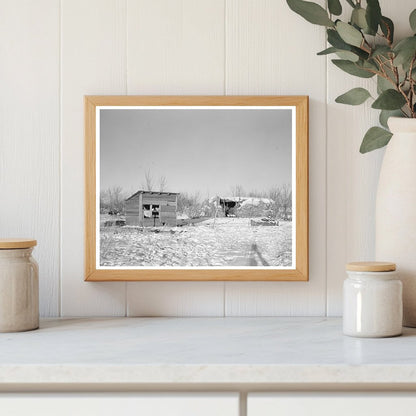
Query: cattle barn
x=151 y=209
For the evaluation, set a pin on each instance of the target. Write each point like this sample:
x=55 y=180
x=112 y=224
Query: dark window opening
x=147 y=211
x=151 y=211
x=155 y=211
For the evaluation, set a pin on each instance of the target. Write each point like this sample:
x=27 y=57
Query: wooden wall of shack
x=167 y=207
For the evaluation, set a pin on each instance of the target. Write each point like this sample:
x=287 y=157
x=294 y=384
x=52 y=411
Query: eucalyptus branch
x=412 y=85
x=372 y=71
x=406 y=97
x=395 y=71
x=385 y=75
x=369 y=46
x=368 y=49
x=380 y=64
x=387 y=38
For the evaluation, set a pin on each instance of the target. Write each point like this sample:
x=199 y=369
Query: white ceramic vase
x=396 y=210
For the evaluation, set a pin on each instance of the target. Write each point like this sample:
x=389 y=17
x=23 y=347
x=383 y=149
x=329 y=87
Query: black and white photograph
x=195 y=187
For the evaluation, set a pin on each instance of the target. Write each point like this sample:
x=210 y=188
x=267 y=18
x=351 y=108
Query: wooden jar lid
x=11 y=243
x=371 y=266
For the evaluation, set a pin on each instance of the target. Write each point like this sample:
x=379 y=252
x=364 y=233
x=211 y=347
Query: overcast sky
x=206 y=151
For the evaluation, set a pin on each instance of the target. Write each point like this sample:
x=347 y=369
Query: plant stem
x=412 y=86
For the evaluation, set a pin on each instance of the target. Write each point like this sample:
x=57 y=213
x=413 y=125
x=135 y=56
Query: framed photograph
x=196 y=188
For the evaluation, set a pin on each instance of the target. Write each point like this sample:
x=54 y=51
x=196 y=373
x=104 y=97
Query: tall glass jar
x=19 y=286
x=372 y=300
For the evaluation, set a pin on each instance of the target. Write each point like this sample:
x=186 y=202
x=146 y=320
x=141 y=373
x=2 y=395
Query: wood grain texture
x=93 y=61
x=299 y=272
x=29 y=135
x=370 y=266
x=13 y=243
x=261 y=60
x=352 y=178
x=176 y=47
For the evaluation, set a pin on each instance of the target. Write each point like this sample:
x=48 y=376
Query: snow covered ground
x=223 y=242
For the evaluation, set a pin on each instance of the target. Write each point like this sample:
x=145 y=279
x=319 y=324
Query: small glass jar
x=19 y=286
x=372 y=300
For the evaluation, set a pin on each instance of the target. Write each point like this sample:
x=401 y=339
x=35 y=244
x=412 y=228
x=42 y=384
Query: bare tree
x=275 y=196
x=286 y=202
x=255 y=194
x=190 y=204
x=282 y=202
x=112 y=200
x=162 y=183
x=237 y=190
x=103 y=202
x=148 y=181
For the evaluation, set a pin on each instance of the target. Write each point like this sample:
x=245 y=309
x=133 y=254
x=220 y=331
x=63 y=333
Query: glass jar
x=19 y=286
x=372 y=300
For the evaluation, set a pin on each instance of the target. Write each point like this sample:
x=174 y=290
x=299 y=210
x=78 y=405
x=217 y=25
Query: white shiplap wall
x=29 y=134
x=54 y=52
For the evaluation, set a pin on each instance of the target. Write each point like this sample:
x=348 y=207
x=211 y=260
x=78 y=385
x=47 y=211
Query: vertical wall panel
x=93 y=62
x=272 y=51
x=175 y=47
x=29 y=135
x=352 y=177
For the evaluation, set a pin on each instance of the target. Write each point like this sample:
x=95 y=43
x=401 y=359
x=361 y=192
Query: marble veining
x=203 y=350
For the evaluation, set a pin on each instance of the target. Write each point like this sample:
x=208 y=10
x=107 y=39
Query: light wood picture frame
x=176 y=216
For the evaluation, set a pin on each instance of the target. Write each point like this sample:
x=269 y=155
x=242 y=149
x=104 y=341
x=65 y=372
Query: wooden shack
x=151 y=209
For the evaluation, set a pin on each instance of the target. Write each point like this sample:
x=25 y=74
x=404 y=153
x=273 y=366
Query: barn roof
x=152 y=193
x=246 y=199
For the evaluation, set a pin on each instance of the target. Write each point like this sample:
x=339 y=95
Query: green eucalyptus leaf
x=360 y=52
x=375 y=138
x=349 y=34
x=347 y=55
x=405 y=50
x=350 y=56
x=381 y=50
x=386 y=84
x=352 y=68
x=356 y=96
x=386 y=114
x=389 y=100
x=383 y=84
x=336 y=41
x=373 y=15
x=412 y=20
x=373 y=65
x=327 y=51
x=311 y=12
x=334 y=7
x=387 y=27
x=405 y=44
x=358 y=18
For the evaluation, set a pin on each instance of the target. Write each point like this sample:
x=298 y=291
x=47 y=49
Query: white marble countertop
x=203 y=351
